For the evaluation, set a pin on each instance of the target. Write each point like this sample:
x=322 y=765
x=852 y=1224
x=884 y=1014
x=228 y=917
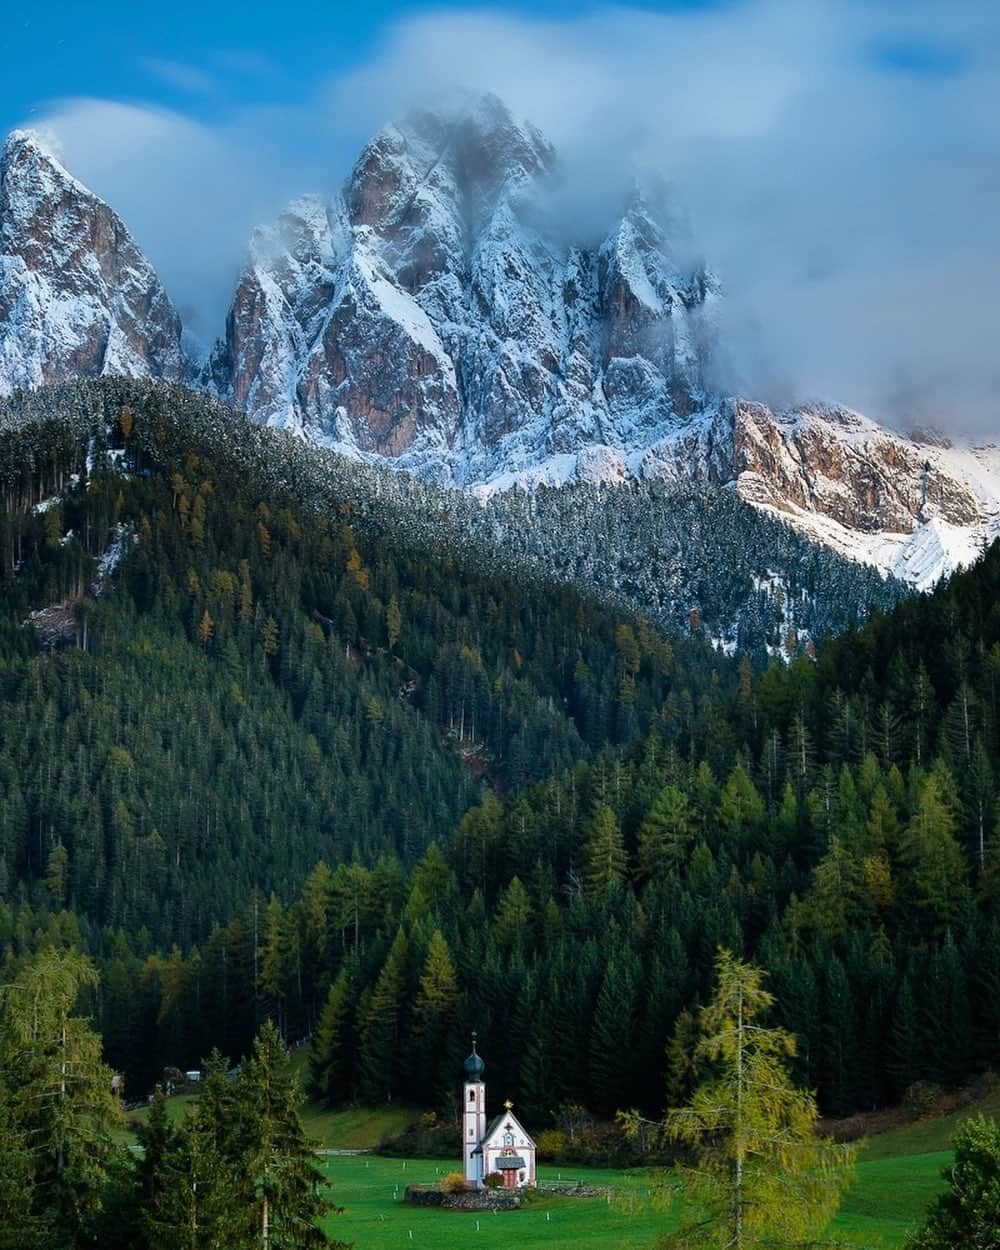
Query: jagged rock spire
x=77 y=296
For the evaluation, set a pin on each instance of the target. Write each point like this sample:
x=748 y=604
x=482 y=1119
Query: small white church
x=503 y=1145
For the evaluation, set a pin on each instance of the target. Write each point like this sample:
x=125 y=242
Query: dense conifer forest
x=678 y=552
x=268 y=760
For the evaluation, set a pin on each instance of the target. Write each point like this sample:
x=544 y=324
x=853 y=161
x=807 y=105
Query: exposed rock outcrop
x=437 y=314
x=77 y=296
x=429 y=314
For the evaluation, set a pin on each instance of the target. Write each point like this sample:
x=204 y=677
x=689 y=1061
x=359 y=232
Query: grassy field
x=882 y=1206
x=353 y=1129
x=898 y=1173
x=371 y=1188
x=930 y=1134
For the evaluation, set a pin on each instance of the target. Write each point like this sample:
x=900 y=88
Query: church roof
x=491 y=1128
x=509 y=1163
x=497 y=1123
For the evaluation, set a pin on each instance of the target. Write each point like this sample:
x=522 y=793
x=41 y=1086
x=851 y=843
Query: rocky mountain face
x=436 y=316
x=431 y=313
x=916 y=507
x=77 y=296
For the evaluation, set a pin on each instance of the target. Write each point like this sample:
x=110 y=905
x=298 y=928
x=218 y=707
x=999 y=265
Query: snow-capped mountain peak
x=461 y=337
x=77 y=297
x=434 y=314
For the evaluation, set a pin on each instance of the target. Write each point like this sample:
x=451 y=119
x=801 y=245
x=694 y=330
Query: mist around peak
x=837 y=164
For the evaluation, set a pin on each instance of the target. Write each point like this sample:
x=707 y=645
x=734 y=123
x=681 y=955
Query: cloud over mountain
x=837 y=162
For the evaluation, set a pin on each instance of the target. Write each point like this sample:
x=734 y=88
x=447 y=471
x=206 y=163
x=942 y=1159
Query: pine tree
x=57 y=875
x=741 y=809
x=283 y=1180
x=840 y=1059
x=198 y=1192
x=276 y=957
x=936 y=871
x=606 y=862
x=613 y=1039
x=60 y=1092
x=381 y=1027
x=157 y=1137
x=907 y=1061
x=681 y=1069
x=513 y=916
x=434 y=1021
x=331 y=1057
x=665 y=833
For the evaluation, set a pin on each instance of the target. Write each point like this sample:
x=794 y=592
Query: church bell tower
x=473 y=1117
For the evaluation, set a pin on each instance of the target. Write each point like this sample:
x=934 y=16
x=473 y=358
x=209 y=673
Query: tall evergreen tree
x=59 y=1090
x=283 y=1182
x=434 y=1022
x=381 y=1026
x=606 y=861
x=331 y=1054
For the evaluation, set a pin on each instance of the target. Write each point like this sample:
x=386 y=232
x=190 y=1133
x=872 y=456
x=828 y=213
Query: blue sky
x=206 y=57
x=839 y=159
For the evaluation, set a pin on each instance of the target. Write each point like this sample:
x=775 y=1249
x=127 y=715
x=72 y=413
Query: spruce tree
x=936 y=876
x=331 y=1051
x=665 y=833
x=381 y=1027
x=613 y=1038
x=967 y=1214
x=59 y=1089
x=282 y=1179
x=434 y=1020
x=606 y=862
x=198 y=1192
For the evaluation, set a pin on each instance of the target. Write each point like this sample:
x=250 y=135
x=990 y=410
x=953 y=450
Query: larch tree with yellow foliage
x=754 y=1171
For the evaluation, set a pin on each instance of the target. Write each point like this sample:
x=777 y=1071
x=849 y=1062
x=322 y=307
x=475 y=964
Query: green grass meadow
x=371 y=1191
x=883 y=1205
x=897 y=1175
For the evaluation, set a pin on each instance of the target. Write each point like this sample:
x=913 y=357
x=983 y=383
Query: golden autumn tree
x=755 y=1171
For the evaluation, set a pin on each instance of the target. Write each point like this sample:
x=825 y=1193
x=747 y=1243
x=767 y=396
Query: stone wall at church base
x=495 y=1199
x=465 y=1200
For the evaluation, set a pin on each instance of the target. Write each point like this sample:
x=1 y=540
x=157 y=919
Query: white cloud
x=190 y=193
x=851 y=206
x=851 y=209
x=186 y=78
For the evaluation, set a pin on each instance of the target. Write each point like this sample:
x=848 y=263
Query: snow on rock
x=462 y=335
x=121 y=543
x=440 y=325
x=431 y=317
x=77 y=297
x=915 y=509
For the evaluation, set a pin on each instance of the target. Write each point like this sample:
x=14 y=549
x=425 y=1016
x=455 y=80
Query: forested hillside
x=226 y=685
x=836 y=820
x=479 y=801
x=682 y=554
